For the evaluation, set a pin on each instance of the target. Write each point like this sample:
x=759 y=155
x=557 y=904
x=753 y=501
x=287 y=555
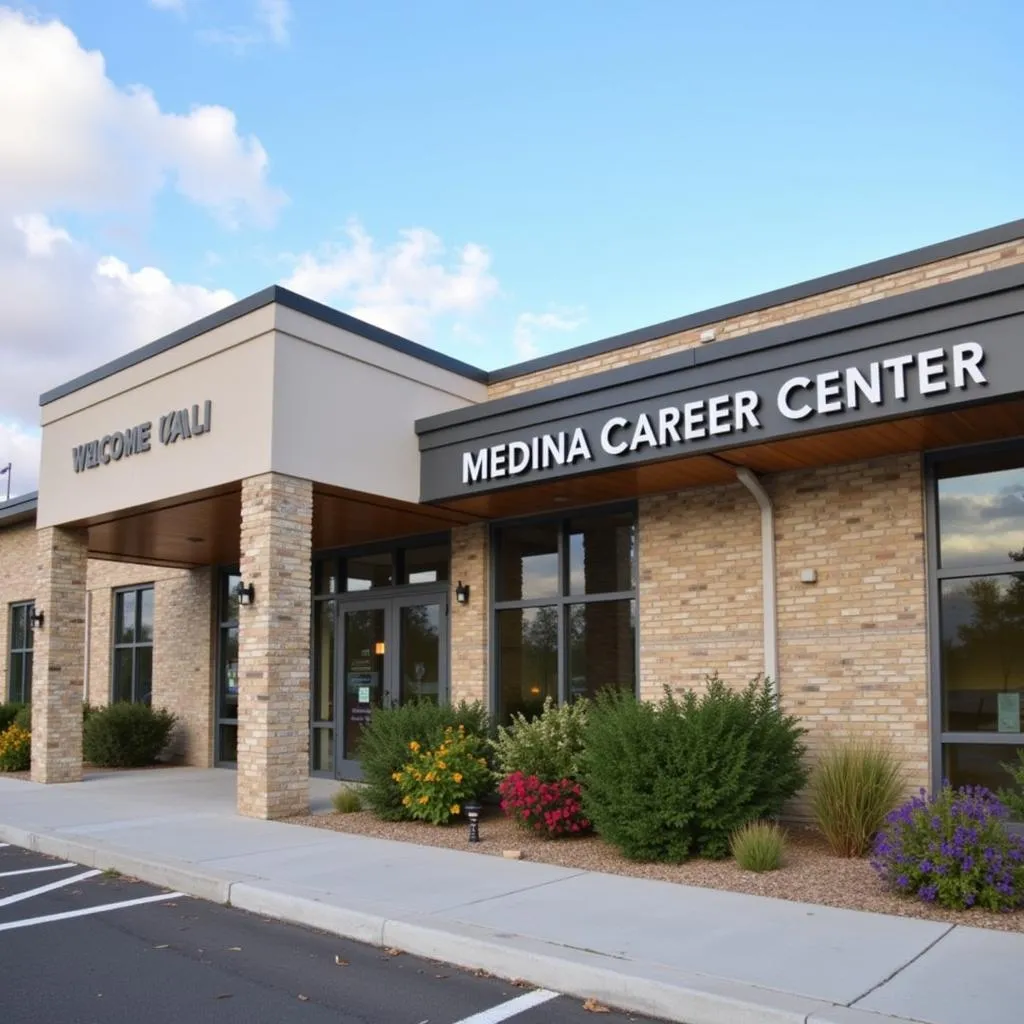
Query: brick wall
x=853 y=659
x=17 y=583
x=940 y=272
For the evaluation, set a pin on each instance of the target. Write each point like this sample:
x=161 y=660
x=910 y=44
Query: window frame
x=942 y=738
x=29 y=608
x=565 y=599
x=135 y=645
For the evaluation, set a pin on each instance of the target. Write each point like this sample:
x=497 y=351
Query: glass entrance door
x=392 y=651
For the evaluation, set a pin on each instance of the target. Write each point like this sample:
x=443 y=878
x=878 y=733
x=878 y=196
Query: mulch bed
x=810 y=875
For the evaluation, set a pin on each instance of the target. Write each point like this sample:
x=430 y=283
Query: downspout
x=769 y=612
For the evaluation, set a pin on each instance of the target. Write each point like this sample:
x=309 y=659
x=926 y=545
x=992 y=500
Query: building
x=279 y=518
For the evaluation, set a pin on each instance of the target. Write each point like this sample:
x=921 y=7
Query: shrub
x=853 y=788
x=347 y=801
x=384 y=746
x=665 y=781
x=15 y=749
x=436 y=783
x=548 y=746
x=24 y=717
x=953 y=848
x=125 y=735
x=550 y=808
x=9 y=714
x=759 y=846
x=1013 y=799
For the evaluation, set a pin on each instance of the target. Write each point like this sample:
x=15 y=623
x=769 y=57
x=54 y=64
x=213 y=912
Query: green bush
x=384 y=746
x=853 y=788
x=759 y=846
x=669 y=780
x=24 y=717
x=125 y=735
x=1013 y=799
x=549 y=746
x=15 y=749
x=9 y=714
x=347 y=801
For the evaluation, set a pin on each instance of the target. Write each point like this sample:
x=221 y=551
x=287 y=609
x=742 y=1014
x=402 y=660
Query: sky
x=496 y=181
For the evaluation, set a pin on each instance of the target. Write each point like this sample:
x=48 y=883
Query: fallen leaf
x=303 y=999
x=593 y=1006
x=517 y=983
x=340 y=962
x=393 y=952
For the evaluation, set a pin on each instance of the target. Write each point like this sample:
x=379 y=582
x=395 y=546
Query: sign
x=176 y=425
x=828 y=394
x=364 y=695
x=1009 y=712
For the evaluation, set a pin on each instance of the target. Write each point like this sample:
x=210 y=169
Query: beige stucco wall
x=344 y=407
x=940 y=272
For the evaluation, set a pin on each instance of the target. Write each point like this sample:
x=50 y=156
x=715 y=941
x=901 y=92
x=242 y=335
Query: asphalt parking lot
x=80 y=946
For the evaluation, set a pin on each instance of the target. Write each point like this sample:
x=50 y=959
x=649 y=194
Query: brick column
x=274 y=647
x=470 y=622
x=183 y=662
x=58 y=671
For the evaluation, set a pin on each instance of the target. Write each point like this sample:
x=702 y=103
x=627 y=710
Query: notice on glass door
x=1009 y=712
x=364 y=695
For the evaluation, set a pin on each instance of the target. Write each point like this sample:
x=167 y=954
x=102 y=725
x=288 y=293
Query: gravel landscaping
x=811 y=873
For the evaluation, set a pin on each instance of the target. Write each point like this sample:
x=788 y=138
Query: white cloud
x=269 y=24
x=66 y=309
x=73 y=140
x=405 y=287
x=529 y=325
x=274 y=16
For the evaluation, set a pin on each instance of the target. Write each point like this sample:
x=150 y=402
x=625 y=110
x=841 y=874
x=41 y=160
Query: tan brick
x=470 y=666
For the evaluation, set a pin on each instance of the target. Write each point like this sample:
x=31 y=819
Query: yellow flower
x=424 y=799
x=397 y=776
x=441 y=765
x=457 y=777
x=455 y=808
x=430 y=776
x=414 y=747
x=406 y=800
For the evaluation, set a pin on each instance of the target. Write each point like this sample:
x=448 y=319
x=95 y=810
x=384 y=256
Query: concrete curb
x=655 y=990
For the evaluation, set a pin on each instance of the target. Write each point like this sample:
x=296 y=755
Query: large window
x=565 y=609
x=133 y=645
x=226 y=748
x=979 y=592
x=19 y=665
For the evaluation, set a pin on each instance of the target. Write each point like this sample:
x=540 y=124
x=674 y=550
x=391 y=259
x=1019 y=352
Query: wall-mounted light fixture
x=462 y=592
x=37 y=619
x=245 y=592
x=379 y=647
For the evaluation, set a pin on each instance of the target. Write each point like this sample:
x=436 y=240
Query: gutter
x=768 y=574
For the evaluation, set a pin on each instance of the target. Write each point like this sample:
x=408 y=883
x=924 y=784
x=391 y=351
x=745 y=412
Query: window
x=978 y=592
x=565 y=609
x=226 y=746
x=133 y=645
x=419 y=562
x=19 y=667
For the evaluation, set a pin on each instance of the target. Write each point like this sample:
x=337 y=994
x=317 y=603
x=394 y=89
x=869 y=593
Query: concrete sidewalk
x=686 y=954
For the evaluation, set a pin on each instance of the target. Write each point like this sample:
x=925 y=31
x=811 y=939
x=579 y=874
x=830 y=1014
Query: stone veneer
x=470 y=623
x=953 y=269
x=274 y=646
x=58 y=673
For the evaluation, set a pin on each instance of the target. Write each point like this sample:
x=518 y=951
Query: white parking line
x=35 y=871
x=19 y=896
x=85 y=911
x=503 y=1011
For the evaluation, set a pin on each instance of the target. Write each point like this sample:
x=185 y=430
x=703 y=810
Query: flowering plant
x=953 y=848
x=552 y=808
x=436 y=783
x=15 y=749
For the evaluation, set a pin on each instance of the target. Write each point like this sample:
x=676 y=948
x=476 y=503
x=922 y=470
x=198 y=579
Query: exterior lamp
x=462 y=593
x=37 y=619
x=246 y=593
x=473 y=814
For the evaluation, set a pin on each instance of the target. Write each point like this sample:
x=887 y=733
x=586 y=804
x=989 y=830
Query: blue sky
x=499 y=181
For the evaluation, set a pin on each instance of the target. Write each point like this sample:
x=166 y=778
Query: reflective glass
x=602 y=647
x=528 y=562
x=527 y=659
x=602 y=553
